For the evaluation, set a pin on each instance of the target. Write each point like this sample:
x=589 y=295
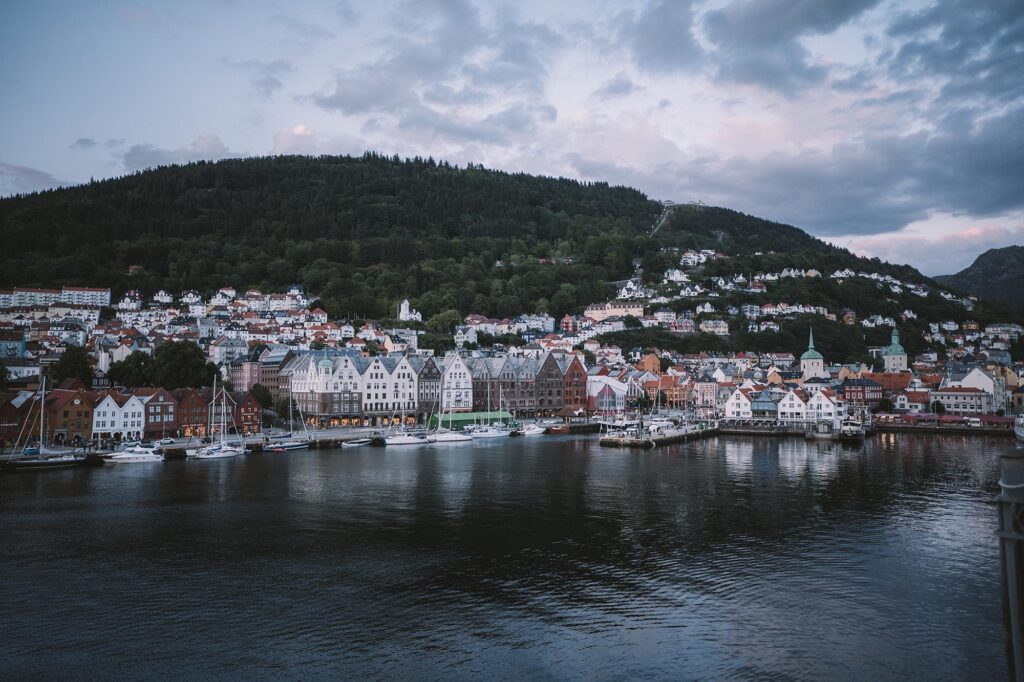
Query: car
x=166 y=441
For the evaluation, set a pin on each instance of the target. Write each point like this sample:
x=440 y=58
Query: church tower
x=894 y=356
x=812 y=363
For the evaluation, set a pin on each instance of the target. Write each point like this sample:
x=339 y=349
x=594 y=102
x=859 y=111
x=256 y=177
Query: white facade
x=126 y=420
x=457 y=384
x=738 y=406
x=792 y=407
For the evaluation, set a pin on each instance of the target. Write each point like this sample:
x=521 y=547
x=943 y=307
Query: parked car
x=166 y=441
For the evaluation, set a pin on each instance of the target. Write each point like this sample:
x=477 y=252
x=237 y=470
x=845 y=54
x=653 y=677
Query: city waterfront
x=539 y=558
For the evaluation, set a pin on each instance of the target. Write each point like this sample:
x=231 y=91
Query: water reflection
x=547 y=557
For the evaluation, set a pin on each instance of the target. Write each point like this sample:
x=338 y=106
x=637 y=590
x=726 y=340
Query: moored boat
x=1018 y=426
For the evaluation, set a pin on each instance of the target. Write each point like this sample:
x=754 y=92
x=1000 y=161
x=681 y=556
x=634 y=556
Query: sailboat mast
x=42 y=413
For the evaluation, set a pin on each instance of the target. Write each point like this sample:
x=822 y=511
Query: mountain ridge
x=996 y=274
x=364 y=232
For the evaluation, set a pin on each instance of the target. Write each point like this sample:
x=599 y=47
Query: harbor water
x=523 y=558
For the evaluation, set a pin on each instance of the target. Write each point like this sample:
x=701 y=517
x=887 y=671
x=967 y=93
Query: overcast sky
x=894 y=128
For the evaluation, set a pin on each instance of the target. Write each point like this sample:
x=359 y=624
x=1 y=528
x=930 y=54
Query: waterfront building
x=161 y=411
x=118 y=416
x=961 y=400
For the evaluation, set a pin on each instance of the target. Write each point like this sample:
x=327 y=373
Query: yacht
x=356 y=442
x=532 y=430
x=452 y=437
x=1018 y=426
x=223 y=448
x=492 y=431
x=42 y=457
x=405 y=438
x=137 y=453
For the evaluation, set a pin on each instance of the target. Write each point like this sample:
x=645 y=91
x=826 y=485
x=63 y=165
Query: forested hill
x=997 y=274
x=364 y=232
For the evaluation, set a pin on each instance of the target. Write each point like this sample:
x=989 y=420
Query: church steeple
x=810 y=338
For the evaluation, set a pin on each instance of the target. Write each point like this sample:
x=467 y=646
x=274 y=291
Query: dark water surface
x=531 y=558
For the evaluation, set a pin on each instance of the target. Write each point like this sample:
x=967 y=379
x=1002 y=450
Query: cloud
x=302 y=32
x=441 y=59
x=204 y=147
x=619 y=85
x=878 y=183
x=757 y=42
x=971 y=50
x=300 y=139
x=83 y=143
x=661 y=38
x=943 y=254
x=15 y=179
x=264 y=77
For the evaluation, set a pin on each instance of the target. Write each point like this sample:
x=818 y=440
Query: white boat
x=224 y=448
x=42 y=457
x=1018 y=426
x=532 y=430
x=285 y=442
x=490 y=432
x=137 y=453
x=281 y=446
x=851 y=429
x=452 y=437
x=356 y=442
x=405 y=438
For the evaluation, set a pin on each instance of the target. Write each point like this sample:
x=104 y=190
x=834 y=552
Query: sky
x=893 y=128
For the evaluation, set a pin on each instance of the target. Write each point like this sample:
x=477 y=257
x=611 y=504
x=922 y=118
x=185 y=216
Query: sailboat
x=447 y=435
x=222 y=448
x=35 y=459
x=292 y=443
x=495 y=429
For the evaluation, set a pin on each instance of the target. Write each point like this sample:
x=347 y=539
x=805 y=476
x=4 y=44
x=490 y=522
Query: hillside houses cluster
x=342 y=373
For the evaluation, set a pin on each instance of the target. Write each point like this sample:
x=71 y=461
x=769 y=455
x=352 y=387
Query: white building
x=119 y=416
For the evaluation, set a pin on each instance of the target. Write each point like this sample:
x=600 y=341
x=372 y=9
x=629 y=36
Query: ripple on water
x=536 y=558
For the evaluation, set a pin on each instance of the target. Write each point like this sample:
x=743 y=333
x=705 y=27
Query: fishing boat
x=42 y=457
x=851 y=430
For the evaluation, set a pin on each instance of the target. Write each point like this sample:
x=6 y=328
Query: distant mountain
x=362 y=233
x=997 y=274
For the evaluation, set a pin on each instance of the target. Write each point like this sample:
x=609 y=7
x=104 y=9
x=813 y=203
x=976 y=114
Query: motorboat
x=1018 y=426
x=137 y=453
x=532 y=430
x=851 y=430
x=282 y=446
x=356 y=442
x=405 y=438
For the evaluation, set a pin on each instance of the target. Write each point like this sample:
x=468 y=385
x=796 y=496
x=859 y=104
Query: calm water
x=532 y=558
